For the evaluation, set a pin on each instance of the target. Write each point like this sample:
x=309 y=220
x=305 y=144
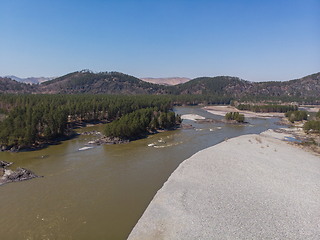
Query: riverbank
x=298 y=137
x=43 y=144
x=252 y=186
x=38 y=145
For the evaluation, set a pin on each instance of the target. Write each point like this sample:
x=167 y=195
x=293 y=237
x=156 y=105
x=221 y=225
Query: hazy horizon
x=252 y=40
x=143 y=78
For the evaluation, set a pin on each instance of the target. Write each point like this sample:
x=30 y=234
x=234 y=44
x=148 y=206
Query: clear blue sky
x=253 y=40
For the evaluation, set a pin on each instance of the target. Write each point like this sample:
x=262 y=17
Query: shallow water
x=100 y=193
x=291 y=139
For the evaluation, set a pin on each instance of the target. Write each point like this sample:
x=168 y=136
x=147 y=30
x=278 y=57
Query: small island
x=136 y=125
x=230 y=118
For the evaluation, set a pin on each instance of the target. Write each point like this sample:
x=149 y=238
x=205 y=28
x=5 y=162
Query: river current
x=101 y=192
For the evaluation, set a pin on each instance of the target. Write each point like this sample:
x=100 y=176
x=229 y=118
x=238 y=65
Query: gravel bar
x=248 y=187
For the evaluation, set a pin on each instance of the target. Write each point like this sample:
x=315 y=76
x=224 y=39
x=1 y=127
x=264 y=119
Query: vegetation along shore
x=32 y=121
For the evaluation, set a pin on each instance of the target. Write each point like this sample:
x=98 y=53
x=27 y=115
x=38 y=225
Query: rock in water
x=187 y=126
x=108 y=140
x=20 y=174
x=4 y=164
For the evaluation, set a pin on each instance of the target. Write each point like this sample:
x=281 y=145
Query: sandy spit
x=222 y=110
x=192 y=117
x=248 y=187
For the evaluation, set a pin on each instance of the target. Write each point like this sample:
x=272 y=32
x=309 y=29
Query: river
x=100 y=193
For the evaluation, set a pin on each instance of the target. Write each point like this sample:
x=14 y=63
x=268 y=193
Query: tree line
x=235 y=116
x=313 y=125
x=267 y=108
x=141 y=121
x=296 y=115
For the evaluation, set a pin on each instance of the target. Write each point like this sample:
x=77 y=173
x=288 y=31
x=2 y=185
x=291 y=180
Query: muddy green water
x=100 y=193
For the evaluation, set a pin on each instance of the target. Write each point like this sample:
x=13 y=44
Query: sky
x=254 y=40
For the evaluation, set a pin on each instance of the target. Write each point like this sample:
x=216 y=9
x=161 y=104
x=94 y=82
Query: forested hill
x=305 y=87
x=308 y=86
x=119 y=83
x=103 y=82
x=221 y=85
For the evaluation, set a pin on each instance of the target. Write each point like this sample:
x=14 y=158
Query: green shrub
x=267 y=108
x=312 y=125
x=296 y=115
x=235 y=116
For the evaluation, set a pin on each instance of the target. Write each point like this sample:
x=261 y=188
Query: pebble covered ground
x=249 y=187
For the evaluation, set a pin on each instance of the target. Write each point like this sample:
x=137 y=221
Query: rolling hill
x=118 y=83
x=97 y=83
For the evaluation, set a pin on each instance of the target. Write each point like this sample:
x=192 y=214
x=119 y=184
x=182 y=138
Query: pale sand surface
x=311 y=108
x=249 y=187
x=192 y=117
x=222 y=110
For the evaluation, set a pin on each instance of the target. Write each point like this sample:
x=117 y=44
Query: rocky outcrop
x=8 y=175
x=108 y=140
x=4 y=164
x=187 y=126
x=91 y=133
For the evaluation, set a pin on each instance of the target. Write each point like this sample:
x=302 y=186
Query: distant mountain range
x=119 y=83
x=167 y=81
x=162 y=81
x=30 y=80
